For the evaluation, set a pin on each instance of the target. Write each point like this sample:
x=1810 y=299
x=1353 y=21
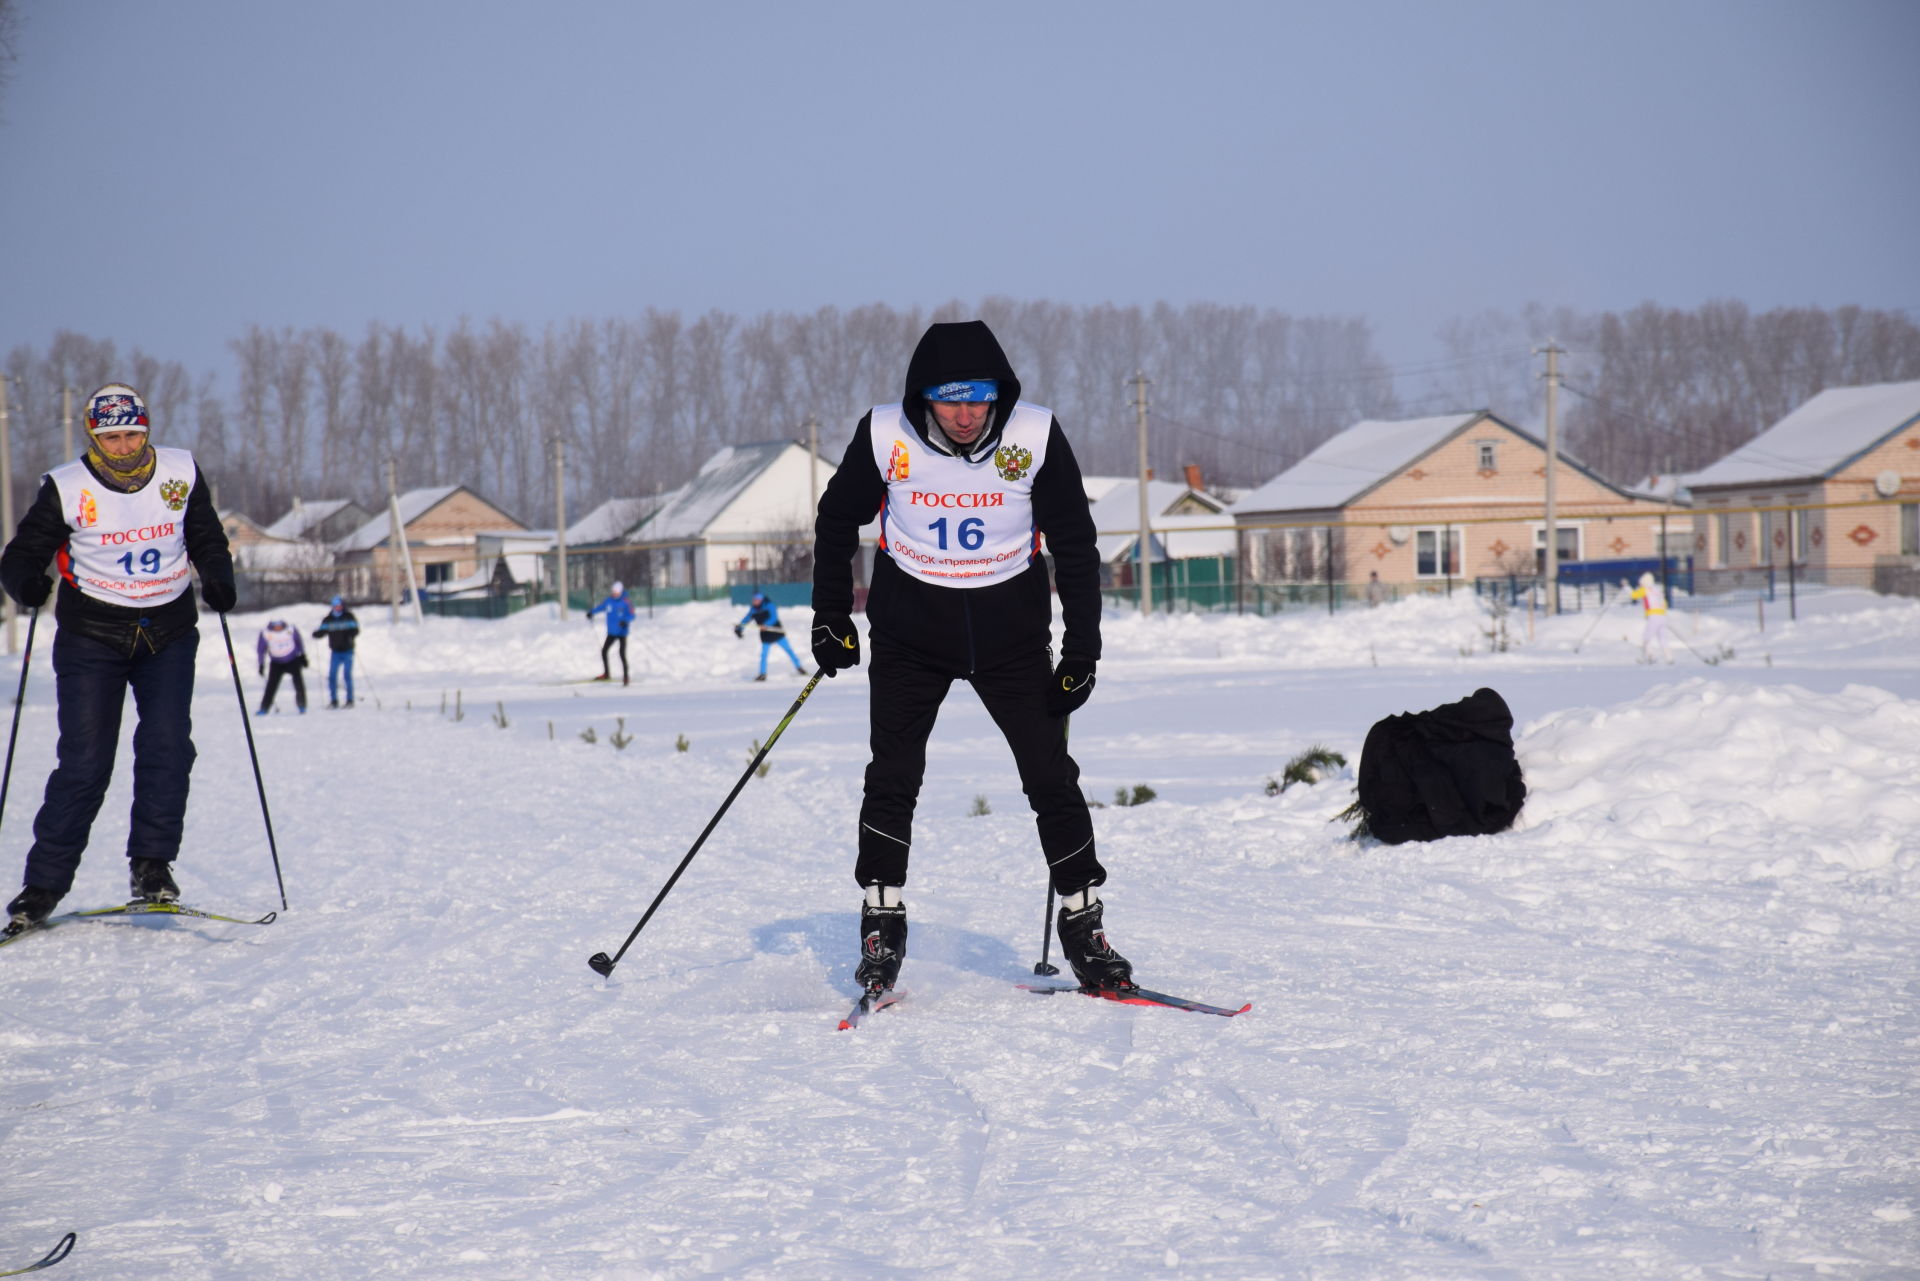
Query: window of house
x=1675 y=544
x=1569 y=545
x=1486 y=456
x=1910 y=529
x=1802 y=523
x=438 y=572
x=1763 y=538
x=1436 y=553
x=1722 y=538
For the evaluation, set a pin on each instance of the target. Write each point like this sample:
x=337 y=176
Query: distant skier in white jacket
x=1653 y=607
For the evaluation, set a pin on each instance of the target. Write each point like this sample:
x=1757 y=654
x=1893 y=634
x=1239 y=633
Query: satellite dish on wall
x=1399 y=533
x=1887 y=484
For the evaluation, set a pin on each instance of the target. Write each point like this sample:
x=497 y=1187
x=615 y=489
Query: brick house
x=1426 y=500
x=1832 y=489
x=443 y=527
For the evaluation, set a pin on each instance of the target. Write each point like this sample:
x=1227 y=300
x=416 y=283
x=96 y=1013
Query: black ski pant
x=91 y=682
x=904 y=694
x=612 y=640
x=275 y=671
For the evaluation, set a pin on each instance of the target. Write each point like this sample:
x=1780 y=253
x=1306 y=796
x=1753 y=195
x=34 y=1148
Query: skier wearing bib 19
x=121 y=523
x=966 y=479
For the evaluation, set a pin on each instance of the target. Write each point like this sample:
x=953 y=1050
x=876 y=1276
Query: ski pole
x=1596 y=623
x=1042 y=966
x=246 y=723
x=19 y=696
x=600 y=962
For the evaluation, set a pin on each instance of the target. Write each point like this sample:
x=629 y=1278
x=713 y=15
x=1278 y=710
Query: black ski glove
x=32 y=592
x=738 y=632
x=836 y=643
x=219 y=592
x=1072 y=685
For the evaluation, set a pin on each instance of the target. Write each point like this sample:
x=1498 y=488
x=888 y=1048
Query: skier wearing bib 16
x=966 y=479
x=122 y=523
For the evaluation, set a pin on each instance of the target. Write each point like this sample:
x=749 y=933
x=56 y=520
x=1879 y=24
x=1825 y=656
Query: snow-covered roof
x=610 y=521
x=690 y=510
x=1351 y=463
x=1820 y=437
x=305 y=516
x=414 y=504
x=1099 y=487
x=1116 y=517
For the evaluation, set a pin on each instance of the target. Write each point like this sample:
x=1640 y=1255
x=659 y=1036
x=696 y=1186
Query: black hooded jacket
x=963 y=628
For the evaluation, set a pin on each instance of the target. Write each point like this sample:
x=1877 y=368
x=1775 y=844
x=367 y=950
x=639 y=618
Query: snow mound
x=1699 y=775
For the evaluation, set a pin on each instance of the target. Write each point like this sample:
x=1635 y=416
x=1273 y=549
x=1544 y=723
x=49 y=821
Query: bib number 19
x=149 y=562
x=971 y=533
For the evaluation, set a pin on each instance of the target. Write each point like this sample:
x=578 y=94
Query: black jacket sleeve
x=851 y=499
x=206 y=536
x=42 y=532
x=1061 y=510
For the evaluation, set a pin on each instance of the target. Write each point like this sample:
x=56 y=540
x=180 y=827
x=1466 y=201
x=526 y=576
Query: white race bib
x=127 y=549
x=958 y=523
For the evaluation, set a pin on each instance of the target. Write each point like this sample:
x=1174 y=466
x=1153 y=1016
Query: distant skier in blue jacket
x=767 y=615
x=619 y=612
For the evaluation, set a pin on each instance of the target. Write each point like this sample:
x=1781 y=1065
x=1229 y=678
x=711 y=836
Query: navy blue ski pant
x=905 y=692
x=91 y=681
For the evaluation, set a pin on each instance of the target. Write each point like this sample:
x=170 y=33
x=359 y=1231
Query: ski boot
x=1083 y=941
x=151 y=881
x=883 y=938
x=29 y=908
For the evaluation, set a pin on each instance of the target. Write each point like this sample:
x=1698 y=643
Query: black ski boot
x=29 y=908
x=151 y=881
x=1083 y=941
x=883 y=940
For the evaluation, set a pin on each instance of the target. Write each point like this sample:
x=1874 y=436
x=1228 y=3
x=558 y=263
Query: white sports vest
x=279 y=643
x=127 y=549
x=953 y=522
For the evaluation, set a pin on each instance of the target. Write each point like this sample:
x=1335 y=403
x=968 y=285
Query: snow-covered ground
x=1665 y=1028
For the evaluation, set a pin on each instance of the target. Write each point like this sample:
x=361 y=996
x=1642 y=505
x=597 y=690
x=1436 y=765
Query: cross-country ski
x=61 y=1250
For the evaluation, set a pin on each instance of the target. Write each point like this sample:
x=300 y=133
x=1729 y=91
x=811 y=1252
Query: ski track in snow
x=1664 y=1028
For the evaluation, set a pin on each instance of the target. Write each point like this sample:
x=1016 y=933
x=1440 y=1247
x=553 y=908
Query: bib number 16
x=149 y=562
x=971 y=533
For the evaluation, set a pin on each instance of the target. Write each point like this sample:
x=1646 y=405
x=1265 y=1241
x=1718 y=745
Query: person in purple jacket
x=281 y=653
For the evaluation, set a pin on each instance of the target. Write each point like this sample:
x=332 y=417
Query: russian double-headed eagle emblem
x=1012 y=461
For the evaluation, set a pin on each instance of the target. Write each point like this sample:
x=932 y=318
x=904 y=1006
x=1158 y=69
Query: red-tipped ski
x=1137 y=996
x=871 y=1003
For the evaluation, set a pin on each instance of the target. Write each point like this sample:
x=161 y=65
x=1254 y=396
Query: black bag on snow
x=1446 y=772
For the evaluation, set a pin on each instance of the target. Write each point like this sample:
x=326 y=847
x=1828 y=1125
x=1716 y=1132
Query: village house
x=442 y=526
x=1426 y=500
x=323 y=520
x=1831 y=491
x=1192 y=536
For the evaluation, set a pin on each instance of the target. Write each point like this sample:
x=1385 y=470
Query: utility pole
x=560 y=518
x=6 y=497
x=1146 y=528
x=1552 y=531
x=66 y=422
x=393 y=550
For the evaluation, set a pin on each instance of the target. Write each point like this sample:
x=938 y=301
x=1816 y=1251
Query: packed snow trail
x=1666 y=1027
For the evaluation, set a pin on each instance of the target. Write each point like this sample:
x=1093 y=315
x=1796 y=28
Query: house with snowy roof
x=1191 y=533
x=747 y=517
x=1834 y=487
x=1424 y=500
x=323 y=520
x=442 y=526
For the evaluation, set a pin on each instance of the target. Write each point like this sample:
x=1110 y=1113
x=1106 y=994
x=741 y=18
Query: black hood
x=949 y=352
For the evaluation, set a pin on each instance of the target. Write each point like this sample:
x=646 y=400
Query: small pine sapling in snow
x=980 y=806
x=588 y=736
x=681 y=743
x=1309 y=767
x=1141 y=795
x=459 y=712
x=500 y=714
x=620 y=738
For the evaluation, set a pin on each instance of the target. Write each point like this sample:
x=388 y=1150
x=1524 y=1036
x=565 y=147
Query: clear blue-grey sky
x=171 y=173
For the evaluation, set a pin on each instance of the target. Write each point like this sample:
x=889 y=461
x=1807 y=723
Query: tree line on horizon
x=643 y=401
